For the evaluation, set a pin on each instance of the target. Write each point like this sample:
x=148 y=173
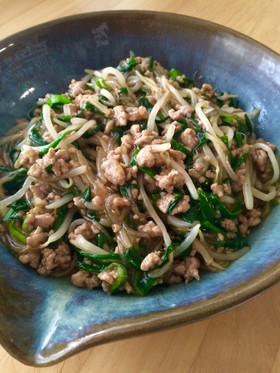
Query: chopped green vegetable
x=143 y=101
x=65 y=118
x=236 y=243
x=123 y=91
x=128 y=65
x=19 y=205
x=89 y=106
x=49 y=168
x=16 y=181
x=87 y=194
x=178 y=197
x=100 y=239
x=175 y=74
x=177 y=145
x=15 y=233
x=121 y=274
x=4 y=168
x=61 y=213
x=94 y=131
x=35 y=135
x=134 y=162
x=44 y=150
x=100 y=82
x=58 y=99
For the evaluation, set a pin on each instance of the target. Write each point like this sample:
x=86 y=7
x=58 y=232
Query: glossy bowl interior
x=44 y=320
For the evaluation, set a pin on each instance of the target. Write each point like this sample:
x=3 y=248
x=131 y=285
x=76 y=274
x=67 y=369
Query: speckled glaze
x=43 y=320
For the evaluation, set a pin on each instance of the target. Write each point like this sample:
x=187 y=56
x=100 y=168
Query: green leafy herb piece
x=143 y=101
x=134 y=162
x=89 y=106
x=128 y=65
x=58 y=99
x=94 y=131
x=123 y=91
x=4 y=168
x=178 y=197
x=92 y=214
x=19 y=205
x=44 y=150
x=100 y=82
x=35 y=135
x=100 y=239
x=121 y=274
x=65 y=118
x=177 y=145
x=16 y=181
x=236 y=243
x=61 y=213
x=87 y=194
x=176 y=75
x=17 y=234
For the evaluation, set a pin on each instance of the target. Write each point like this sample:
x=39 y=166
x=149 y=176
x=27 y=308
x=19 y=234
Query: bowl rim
x=172 y=317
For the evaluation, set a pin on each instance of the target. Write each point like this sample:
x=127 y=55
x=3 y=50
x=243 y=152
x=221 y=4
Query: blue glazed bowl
x=43 y=320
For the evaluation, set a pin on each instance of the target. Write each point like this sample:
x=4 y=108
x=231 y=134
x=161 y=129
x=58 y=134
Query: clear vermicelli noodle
x=134 y=178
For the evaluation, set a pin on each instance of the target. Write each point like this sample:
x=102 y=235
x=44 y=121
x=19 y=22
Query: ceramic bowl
x=44 y=320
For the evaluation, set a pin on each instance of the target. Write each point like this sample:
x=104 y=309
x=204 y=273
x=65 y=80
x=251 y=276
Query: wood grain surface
x=242 y=340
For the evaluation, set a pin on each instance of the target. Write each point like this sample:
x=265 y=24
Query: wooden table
x=243 y=340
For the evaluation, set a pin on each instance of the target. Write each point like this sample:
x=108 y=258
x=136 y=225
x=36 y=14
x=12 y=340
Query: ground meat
x=166 y=198
x=47 y=137
x=181 y=112
x=78 y=201
x=262 y=163
x=135 y=130
x=260 y=158
x=77 y=87
x=199 y=169
x=250 y=219
x=176 y=155
x=150 y=184
x=40 y=190
x=28 y=156
x=115 y=154
x=55 y=261
x=44 y=220
x=151 y=260
x=184 y=270
x=118 y=202
x=98 y=203
x=107 y=278
x=128 y=141
x=83 y=279
x=147 y=137
x=109 y=126
x=86 y=229
x=114 y=172
x=168 y=180
x=229 y=225
x=32 y=258
x=207 y=90
x=131 y=172
x=120 y=115
x=147 y=158
x=137 y=113
x=189 y=138
x=151 y=228
x=237 y=184
x=36 y=238
x=61 y=161
x=221 y=189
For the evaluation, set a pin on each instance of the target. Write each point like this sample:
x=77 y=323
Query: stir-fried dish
x=132 y=178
